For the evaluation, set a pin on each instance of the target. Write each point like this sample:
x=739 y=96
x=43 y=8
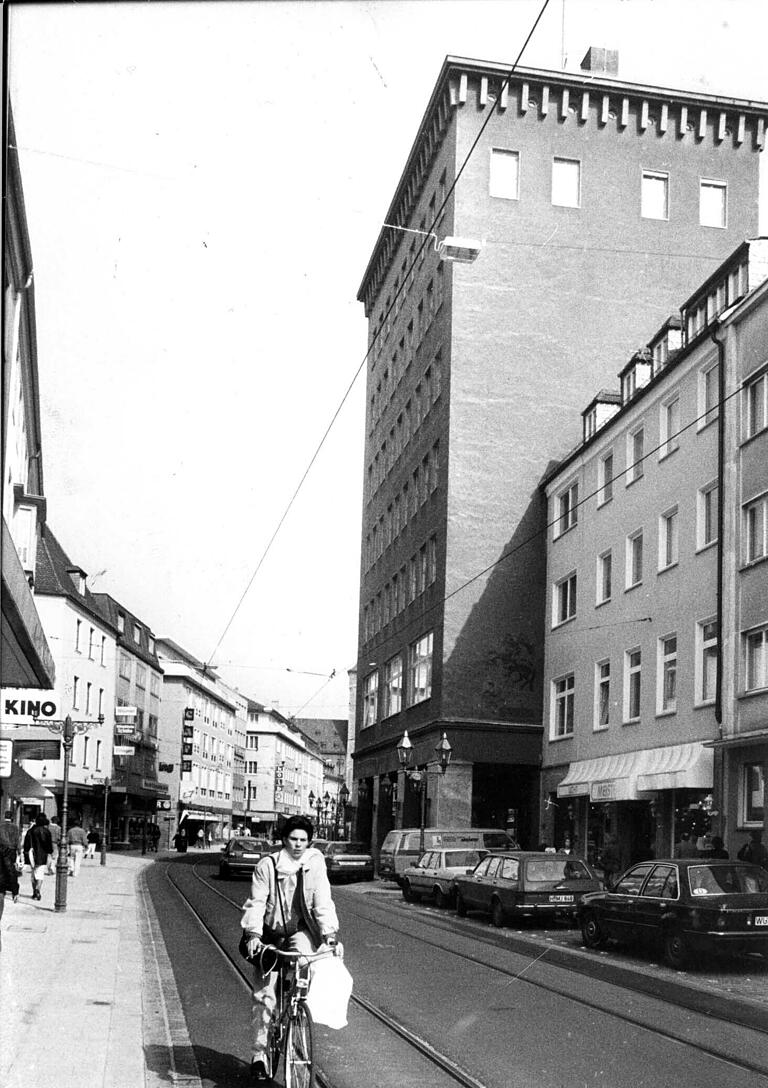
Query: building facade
x=135 y=788
x=597 y=205
x=651 y=618
x=196 y=735
x=329 y=737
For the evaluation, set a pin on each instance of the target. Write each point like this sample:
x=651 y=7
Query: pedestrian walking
x=94 y=842
x=290 y=906
x=37 y=849
x=9 y=877
x=9 y=833
x=610 y=861
x=754 y=851
x=201 y=839
x=55 y=829
x=154 y=837
x=180 y=841
x=77 y=841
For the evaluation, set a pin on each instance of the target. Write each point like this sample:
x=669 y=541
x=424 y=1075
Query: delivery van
x=401 y=848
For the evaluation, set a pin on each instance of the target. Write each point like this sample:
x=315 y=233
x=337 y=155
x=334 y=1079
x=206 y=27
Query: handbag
x=330 y=989
x=18 y=864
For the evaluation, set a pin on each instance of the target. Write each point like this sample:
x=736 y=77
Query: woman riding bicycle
x=290 y=906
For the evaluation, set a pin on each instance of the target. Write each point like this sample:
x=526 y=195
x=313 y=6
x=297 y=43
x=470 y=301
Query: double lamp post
x=330 y=811
x=418 y=778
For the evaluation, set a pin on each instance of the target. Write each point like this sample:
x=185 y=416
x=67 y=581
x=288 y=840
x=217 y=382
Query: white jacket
x=315 y=903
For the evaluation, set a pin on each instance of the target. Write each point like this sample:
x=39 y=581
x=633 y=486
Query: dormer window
x=121 y=623
x=590 y=423
x=628 y=385
x=137 y=634
x=77 y=577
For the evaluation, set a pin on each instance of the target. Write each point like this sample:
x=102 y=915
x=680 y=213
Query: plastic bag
x=329 y=992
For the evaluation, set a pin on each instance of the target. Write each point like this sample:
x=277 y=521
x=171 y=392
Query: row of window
x=755 y=678
x=403 y=507
x=564 y=589
x=567 y=500
x=415 y=411
x=93 y=638
x=605 y=705
x=566 y=188
x=136 y=632
x=391 y=308
x=125 y=671
x=83 y=697
x=399 y=690
x=403 y=588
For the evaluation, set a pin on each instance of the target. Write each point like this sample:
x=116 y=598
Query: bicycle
x=290 y=1028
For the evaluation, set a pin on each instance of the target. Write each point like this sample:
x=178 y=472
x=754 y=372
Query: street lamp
x=104 y=827
x=316 y=803
x=419 y=778
x=68 y=730
x=341 y=810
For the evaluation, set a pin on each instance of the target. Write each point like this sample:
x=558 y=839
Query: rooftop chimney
x=598 y=59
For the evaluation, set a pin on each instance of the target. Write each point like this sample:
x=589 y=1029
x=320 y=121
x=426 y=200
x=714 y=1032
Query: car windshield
x=552 y=870
x=727 y=880
x=461 y=859
x=250 y=845
x=346 y=848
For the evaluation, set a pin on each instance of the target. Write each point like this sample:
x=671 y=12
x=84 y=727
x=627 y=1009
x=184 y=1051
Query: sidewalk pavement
x=87 y=995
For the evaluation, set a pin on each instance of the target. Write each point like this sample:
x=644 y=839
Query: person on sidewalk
x=77 y=840
x=37 y=849
x=55 y=829
x=291 y=906
x=9 y=879
x=10 y=835
x=94 y=842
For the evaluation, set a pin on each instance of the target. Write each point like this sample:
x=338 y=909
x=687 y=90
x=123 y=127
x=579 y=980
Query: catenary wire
x=717 y=406
x=363 y=361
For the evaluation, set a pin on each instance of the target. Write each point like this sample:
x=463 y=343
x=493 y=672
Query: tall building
x=135 y=787
x=657 y=608
x=592 y=207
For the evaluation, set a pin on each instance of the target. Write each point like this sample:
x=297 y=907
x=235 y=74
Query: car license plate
x=761 y=919
x=251 y=855
x=350 y=862
x=561 y=898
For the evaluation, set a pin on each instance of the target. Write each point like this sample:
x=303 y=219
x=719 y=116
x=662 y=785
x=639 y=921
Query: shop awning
x=740 y=740
x=22 y=785
x=628 y=776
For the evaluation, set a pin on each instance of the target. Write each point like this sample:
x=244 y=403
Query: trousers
x=265 y=997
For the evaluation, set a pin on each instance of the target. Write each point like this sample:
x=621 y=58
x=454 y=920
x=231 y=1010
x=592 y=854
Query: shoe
x=259 y=1073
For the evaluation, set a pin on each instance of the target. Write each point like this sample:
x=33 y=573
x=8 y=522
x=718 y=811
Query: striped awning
x=629 y=775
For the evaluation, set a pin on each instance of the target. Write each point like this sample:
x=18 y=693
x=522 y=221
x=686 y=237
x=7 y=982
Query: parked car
x=347 y=861
x=433 y=874
x=687 y=905
x=240 y=855
x=401 y=848
x=525 y=884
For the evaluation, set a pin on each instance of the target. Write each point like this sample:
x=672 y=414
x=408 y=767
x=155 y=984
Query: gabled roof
x=52 y=578
x=329 y=734
x=112 y=608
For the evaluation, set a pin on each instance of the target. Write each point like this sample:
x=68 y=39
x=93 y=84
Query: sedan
x=434 y=873
x=525 y=884
x=686 y=905
x=347 y=861
x=240 y=855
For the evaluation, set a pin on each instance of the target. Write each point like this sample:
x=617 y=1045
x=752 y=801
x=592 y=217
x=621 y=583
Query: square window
x=756 y=529
x=602 y=695
x=634 y=573
x=562 y=706
x=670 y=427
x=756 y=395
x=565 y=599
x=632 y=682
x=505 y=173
x=707 y=510
x=566 y=183
x=654 y=195
x=668 y=539
x=604 y=576
x=706 y=680
x=635 y=454
x=605 y=493
x=713 y=203
x=567 y=505
x=667 y=674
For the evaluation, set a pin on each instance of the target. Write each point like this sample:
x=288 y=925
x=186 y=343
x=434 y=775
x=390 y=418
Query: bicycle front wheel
x=299 y=1069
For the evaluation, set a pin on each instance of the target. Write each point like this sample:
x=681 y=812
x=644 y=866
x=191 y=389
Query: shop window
x=754 y=793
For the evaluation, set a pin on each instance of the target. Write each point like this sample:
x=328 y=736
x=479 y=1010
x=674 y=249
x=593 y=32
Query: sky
x=204 y=184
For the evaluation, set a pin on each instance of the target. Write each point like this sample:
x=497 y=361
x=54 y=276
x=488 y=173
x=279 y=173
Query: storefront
x=643 y=799
x=741 y=776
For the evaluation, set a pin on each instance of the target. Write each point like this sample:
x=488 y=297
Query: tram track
x=425 y=1049
x=462 y=1076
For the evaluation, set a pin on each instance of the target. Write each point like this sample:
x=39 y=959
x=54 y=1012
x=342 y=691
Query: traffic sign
x=126 y=712
x=163 y=804
x=6 y=758
x=123 y=750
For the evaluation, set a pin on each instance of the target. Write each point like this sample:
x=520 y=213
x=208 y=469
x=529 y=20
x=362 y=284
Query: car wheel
x=677 y=952
x=223 y=871
x=497 y=913
x=592 y=932
x=441 y=899
x=461 y=906
x=408 y=894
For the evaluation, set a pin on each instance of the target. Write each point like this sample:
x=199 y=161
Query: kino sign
x=21 y=706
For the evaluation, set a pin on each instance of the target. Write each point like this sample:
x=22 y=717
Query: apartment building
x=135 y=787
x=652 y=646
x=197 y=739
x=281 y=770
x=588 y=204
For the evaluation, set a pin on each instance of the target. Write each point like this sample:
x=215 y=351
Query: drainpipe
x=720 y=564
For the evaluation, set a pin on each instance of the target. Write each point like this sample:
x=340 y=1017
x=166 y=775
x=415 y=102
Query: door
x=659 y=892
x=619 y=907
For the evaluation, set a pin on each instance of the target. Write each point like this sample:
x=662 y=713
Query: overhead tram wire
x=551 y=524
x=377 y=333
